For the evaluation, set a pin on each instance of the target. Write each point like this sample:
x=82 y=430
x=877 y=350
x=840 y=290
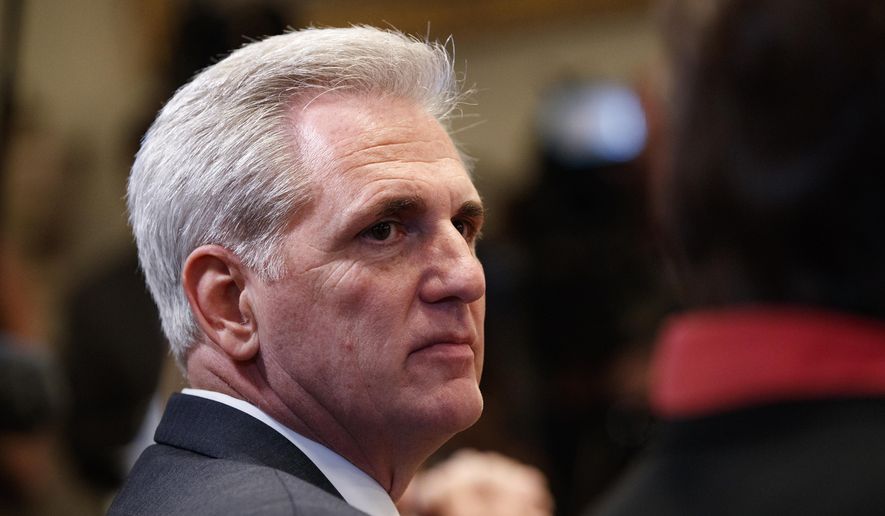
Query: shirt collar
x=358 y=489
x=712 y=361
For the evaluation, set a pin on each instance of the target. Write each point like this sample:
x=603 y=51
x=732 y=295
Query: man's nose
x=453 y=272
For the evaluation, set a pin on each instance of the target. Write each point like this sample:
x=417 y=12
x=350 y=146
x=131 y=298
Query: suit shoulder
x=172 y=481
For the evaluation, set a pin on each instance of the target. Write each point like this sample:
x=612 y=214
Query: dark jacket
x=213 y=459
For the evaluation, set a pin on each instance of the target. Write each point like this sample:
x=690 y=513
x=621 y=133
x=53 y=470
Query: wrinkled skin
x=372 y=341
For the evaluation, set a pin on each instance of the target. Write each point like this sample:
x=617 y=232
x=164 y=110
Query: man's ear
x=215 y=282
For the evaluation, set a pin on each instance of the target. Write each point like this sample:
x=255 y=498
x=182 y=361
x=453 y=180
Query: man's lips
x=451 y=352
x=446 y=344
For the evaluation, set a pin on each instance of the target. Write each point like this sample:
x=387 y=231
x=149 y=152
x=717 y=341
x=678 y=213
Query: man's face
x=379 y=317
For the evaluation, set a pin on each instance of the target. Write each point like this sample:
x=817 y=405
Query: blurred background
x=561 y=131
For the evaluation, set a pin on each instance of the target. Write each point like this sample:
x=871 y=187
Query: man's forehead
x=370 y=128
x=377 y=144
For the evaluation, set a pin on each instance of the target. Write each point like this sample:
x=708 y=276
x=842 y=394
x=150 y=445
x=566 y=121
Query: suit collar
x=216 y=430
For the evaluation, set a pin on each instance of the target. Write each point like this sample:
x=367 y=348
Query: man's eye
x=380 y=232
x=463 y=227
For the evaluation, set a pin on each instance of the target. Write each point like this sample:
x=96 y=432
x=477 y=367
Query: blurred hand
x=473 y=483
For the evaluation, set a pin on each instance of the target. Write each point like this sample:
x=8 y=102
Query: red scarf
x=712 y=361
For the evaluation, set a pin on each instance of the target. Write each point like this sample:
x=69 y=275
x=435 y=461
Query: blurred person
x=105 y=411
x=590 y=134
x=771 y=385
x=109 y=413
x=307 y=228
x=28 y=410
x=474 y=483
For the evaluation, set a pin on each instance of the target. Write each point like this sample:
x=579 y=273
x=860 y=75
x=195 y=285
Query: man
x=308 y=230
x=771 y=386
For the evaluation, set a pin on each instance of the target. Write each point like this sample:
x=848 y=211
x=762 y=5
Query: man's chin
x=455 y=408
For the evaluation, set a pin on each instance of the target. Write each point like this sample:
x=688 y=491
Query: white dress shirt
x=358 y=489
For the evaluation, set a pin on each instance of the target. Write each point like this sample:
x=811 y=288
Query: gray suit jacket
x=214 y=459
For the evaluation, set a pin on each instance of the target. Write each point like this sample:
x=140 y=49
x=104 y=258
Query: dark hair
x=775 y=190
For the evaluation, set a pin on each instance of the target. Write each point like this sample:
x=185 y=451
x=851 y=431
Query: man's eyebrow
x=398 y=205
x=472 y=209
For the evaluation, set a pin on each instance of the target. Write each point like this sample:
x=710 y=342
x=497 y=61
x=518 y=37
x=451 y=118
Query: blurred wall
x=512 y=68
x=82 y=80
x=86 y=77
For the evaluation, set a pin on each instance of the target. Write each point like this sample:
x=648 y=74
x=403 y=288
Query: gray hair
x=220 y=164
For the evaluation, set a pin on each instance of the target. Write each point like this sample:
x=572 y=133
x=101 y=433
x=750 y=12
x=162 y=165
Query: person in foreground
x=771 y=387
x=307 y=228
x=478 y=483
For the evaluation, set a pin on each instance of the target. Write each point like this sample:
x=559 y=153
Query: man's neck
x=356 y=487
x=390 y=458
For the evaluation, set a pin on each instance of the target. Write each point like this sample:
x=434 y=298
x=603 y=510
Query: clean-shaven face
x=379 y=317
